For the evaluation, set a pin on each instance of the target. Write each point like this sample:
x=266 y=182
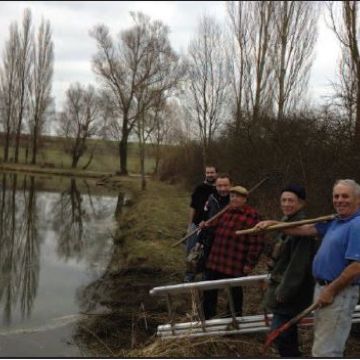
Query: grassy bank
x=157 y=219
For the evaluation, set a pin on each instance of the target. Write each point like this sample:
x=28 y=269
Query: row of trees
x=255 y=68
x=25 y=84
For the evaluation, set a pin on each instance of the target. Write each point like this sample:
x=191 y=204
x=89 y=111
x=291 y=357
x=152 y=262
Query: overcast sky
x=74 y=48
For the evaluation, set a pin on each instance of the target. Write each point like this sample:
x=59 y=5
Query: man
x=291 y=284
x=220 y=198
x=216 y=202
x=196 y=214
x=336 y=269
x=231 y=255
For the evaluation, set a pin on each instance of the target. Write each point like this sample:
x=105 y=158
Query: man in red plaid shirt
x=232 y=255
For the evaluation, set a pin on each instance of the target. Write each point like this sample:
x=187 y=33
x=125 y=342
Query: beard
x=210 y=180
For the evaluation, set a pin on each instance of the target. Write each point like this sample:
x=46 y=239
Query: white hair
x=351 y=183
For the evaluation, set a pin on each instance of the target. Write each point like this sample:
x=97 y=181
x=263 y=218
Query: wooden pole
x=198 y=229
x=285 y=225
x=209 y=221
x=275 y=333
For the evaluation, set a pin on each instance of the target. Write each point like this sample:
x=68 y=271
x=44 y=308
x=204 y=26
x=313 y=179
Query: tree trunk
x=34 y=145
x=75 y=159
x=123 y=155
x=357 y=120
x=7 y=145
x=142 y=166
x=17 y=143
x=157 y=159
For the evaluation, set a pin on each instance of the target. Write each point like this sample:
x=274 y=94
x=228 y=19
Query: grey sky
x=72 y=20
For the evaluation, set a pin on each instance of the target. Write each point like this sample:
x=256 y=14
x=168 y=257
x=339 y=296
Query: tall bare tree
x=164 y=122
x=252 y=30
x=41 y=81
x=79 y=119
x=8 y=93
x=295 y=36
x=260 y=41
x=125 y=68
x=239 y=15
x=208 y=83
x=23 y=76
x=345 y=24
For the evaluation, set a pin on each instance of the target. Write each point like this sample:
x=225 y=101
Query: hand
x=202 y=225
x=264 y=224
x=326 y=296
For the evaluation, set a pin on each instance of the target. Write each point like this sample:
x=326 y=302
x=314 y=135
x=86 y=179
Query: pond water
x=52 y=246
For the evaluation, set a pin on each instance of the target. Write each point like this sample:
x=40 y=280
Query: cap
x=296 y=189
x=239 y=190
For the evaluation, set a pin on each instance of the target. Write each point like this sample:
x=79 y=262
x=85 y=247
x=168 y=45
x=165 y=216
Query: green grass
x=106 y=156
x=157 y=220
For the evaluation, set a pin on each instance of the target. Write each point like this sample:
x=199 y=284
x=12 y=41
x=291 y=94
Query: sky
x=74 y=48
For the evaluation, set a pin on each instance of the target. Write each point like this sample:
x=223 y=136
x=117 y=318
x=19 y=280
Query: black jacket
x=214 y=204
x=198 y=200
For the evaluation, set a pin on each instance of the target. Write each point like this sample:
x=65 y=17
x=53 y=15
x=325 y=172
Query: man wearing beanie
x=291 y=283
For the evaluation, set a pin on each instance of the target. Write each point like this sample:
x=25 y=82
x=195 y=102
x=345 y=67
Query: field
x=106 y=155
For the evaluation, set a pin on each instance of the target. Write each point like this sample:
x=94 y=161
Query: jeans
x=332 y=324
x=210 y=296
x=287 y=342
x=190 y=243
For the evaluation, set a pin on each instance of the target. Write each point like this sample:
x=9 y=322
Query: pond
x=54 y=245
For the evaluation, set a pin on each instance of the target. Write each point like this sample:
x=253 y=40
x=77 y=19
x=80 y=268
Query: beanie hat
x=296 y=189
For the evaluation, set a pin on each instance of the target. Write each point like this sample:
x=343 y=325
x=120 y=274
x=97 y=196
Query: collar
x=296 y=216
x=345 y=219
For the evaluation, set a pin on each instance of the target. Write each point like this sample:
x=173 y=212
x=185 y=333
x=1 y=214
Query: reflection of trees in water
x=76 y=215
x=68 y=222
x=117 y=298
x=19 y=246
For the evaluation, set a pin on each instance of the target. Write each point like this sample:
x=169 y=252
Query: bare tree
x=8 y=93
x=208 y=83
x=239 y=15
x=128 y=66
x=295 y=35
x=164 y=122
x=252 y=41
x=260 y=41
x=346 y=29
x=23 y=76
x=79 y=119
x=40 y=87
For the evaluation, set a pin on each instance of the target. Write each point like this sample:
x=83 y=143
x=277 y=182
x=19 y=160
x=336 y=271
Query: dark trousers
x=287 y=342
x=210 y=296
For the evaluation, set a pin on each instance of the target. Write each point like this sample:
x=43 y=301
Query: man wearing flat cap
x=232 y=255
x=291 y=284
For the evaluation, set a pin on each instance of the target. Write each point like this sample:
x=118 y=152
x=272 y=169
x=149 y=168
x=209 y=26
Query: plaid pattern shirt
x=230 y=252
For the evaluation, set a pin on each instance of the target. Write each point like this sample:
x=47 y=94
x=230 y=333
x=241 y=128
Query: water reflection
x=51 y=245
x=68 y=216
x=19 y=247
